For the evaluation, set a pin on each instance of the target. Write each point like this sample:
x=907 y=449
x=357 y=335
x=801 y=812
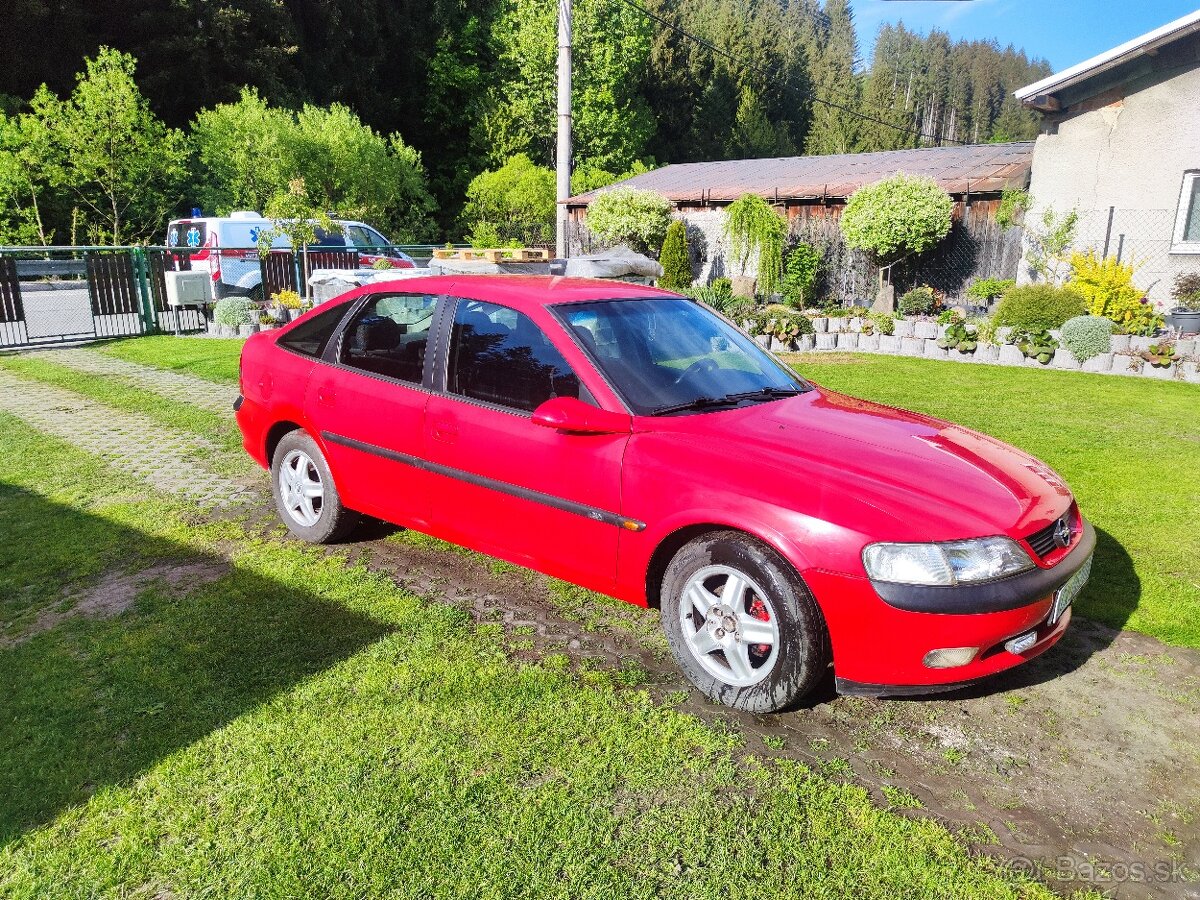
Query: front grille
x=1042 y=541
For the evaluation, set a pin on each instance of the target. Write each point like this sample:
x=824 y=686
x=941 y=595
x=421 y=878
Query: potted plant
x=289 y=303
x=234 y=316
x=1185 y=315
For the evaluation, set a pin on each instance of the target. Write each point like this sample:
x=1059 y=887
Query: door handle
x=446 y=432
x=325 y=396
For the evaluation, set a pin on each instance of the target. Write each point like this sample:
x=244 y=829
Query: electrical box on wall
x=188 y=288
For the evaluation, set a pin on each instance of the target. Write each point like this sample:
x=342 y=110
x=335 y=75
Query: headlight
x=949 y=563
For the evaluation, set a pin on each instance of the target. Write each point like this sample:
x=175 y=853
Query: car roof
x=522 y=291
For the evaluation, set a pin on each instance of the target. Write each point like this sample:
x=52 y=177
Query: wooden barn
x=812 y=191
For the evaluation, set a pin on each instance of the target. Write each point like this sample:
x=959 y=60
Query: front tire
x=305 y=495
x=741 y=623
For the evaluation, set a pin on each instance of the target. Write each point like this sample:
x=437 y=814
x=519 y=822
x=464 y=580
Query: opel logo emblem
x=1062 y=533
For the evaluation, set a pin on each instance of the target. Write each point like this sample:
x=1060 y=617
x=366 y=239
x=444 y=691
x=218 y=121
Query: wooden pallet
x=523 y=254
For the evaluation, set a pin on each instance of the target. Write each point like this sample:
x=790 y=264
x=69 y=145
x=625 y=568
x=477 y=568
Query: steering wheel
x=699 y=367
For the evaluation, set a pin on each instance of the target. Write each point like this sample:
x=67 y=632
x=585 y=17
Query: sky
x=1063 y=32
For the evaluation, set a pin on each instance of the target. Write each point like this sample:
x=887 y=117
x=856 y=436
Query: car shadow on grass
x=92 y=701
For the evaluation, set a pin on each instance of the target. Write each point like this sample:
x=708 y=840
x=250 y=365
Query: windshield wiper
x=698 y=403
x=766 y=393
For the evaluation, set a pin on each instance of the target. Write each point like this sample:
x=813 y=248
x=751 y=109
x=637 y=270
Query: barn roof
x=979 y=168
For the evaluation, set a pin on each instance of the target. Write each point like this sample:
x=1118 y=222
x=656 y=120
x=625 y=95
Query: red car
x=634 y=442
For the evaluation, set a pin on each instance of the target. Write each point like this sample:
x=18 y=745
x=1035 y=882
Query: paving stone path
x=174 y=385
x=166 y=458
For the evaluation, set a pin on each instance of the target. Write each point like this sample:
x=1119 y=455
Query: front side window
x=673 y=356
x=310 y=336
x=1187 y=222
x=500 y=356
x=361 y=237
x=390 y=335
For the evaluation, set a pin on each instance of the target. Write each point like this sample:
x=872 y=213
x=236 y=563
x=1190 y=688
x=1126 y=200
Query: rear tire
x=742 y=624
x=305 y=495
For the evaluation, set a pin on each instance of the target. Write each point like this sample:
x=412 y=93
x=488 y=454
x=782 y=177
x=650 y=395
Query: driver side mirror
x=572 y=415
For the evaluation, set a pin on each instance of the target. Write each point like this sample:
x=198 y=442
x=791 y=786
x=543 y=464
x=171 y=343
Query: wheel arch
x=675 y=540
x=276 y=433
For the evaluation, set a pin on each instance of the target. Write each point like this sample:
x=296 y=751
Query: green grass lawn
x=296 y=726
x=1129 y=447
x=213 y=358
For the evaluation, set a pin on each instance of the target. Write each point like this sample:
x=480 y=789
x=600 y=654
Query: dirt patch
x=115 y=592
x=1083 y=766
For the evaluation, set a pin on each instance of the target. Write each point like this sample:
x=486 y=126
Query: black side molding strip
x=513 y=490
x=1012 y=592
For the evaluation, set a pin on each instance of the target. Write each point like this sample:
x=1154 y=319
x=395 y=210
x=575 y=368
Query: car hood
x=932 y=480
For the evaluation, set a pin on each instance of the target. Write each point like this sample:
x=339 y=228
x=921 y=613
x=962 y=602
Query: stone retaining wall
x=920 y=338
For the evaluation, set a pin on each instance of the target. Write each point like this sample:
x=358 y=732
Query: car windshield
x=671 y=356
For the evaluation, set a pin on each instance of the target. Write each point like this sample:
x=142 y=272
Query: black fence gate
x=52 y=295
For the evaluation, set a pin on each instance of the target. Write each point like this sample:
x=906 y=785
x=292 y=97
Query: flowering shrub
x=287 y=300
x=1108 y=290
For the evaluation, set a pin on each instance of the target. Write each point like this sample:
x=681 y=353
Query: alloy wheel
x=730 y=625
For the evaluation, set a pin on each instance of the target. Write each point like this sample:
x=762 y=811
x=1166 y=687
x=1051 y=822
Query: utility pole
x=564 y=126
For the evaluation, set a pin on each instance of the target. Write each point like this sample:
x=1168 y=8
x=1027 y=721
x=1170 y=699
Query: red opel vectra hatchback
x=634 y=442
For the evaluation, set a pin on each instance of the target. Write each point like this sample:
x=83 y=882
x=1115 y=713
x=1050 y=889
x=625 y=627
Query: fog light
x=949 y=657
x=1021 y=643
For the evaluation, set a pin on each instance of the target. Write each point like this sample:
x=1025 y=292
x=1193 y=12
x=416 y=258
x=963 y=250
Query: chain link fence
x=1139 y=237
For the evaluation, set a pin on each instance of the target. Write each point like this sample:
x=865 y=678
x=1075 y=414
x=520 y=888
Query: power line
x=713 y=48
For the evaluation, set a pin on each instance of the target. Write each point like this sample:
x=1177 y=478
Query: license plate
x=1066 y=594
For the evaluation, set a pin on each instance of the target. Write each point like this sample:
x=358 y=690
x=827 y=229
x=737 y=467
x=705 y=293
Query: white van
x=228 y=246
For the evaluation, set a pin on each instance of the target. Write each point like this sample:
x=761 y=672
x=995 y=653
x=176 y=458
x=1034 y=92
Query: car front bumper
x=879 y=648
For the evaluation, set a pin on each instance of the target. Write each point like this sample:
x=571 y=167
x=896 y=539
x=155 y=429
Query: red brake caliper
x=758 y=609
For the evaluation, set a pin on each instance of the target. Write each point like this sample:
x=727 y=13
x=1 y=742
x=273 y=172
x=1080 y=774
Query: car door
x=368 y=402
x=504 y=485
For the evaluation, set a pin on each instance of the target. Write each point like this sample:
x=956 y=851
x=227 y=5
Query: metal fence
x=56 y=295
x=1139 y=237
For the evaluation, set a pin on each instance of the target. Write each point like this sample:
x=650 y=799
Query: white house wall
x=1129 y=153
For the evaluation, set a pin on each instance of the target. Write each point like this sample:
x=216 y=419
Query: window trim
x=1179 y=244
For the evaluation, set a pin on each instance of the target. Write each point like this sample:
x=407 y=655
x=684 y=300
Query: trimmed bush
x=897 y=216
x=630 y=216
x=920 y=301
x=235 y=311
x=1087 y=336
x=1036 y=307
x=677 y=266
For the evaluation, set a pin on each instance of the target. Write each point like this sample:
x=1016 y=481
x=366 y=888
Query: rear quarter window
x=311 y=336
